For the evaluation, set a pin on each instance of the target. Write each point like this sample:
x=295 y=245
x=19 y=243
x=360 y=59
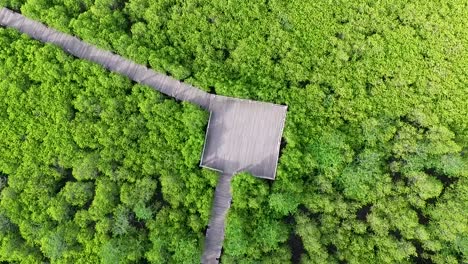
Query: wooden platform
x=243 y=135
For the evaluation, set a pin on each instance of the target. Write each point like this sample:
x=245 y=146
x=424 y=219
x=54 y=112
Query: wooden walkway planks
x=107 y=59
x=215 y=232
x=243 y=135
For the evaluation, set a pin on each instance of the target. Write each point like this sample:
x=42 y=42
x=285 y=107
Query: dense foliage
x=374 y=167
x=95 y=167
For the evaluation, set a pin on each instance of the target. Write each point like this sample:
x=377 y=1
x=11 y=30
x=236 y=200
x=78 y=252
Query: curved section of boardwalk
x=107 y=59
x=215 y=232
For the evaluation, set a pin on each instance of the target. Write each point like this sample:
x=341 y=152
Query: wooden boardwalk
x=215 y=232
x=242 y=135
x=107 y=59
